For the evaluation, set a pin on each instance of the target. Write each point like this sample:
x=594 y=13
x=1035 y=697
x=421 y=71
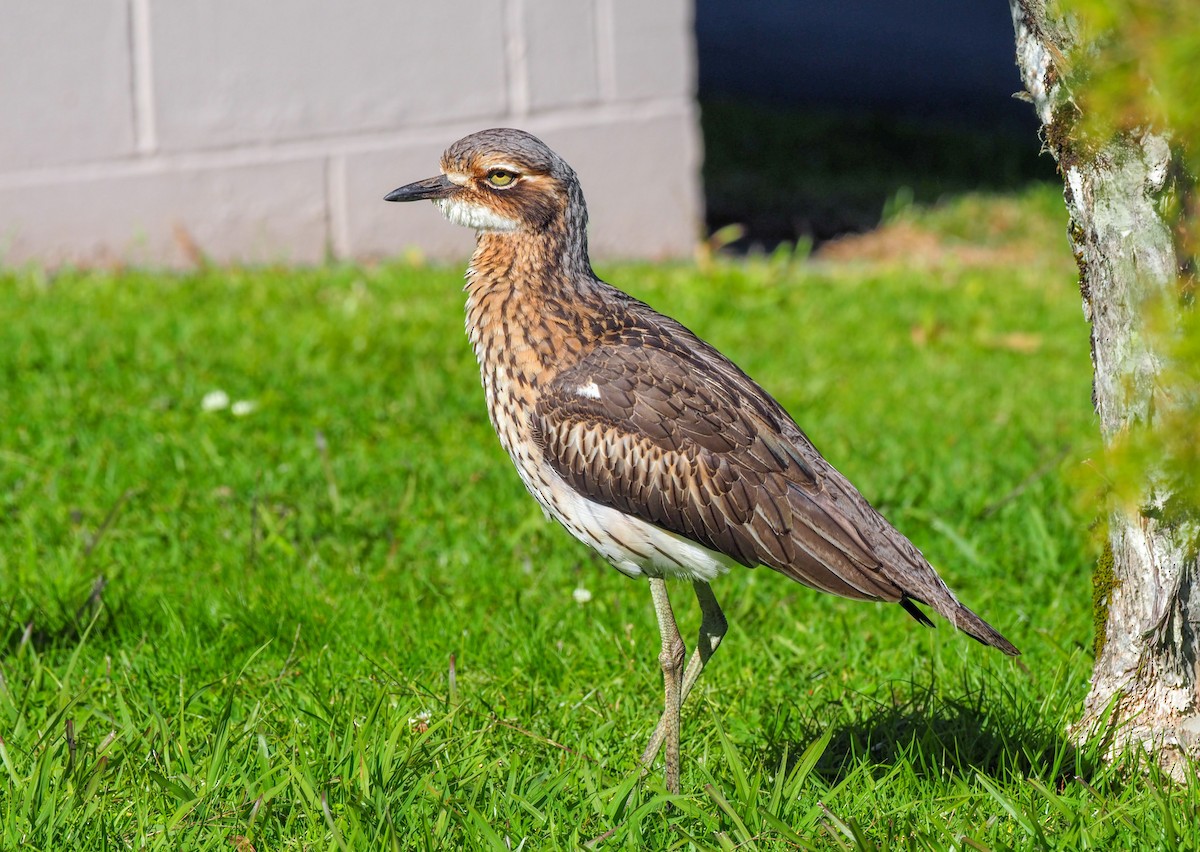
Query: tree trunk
x=1146 y=595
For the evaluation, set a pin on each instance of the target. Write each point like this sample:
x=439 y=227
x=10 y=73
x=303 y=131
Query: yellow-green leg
x=712 y=629
x=671 y=660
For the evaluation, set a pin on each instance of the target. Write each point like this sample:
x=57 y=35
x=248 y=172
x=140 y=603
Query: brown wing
x=685 y=440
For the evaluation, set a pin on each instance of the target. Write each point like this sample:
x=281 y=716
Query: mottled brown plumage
x=641 y=439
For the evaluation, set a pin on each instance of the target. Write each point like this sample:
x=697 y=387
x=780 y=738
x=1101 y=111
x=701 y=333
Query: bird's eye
x=499 y=177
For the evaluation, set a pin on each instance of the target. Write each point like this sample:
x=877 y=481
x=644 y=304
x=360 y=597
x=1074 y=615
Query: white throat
x=474 y=216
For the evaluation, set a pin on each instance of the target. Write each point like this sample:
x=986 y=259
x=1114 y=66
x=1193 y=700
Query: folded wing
x=678 y=436
x=673 y=441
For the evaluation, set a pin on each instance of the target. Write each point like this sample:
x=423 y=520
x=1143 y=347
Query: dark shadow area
x=936 y=733
x=816 y=117
x=788 y=175
x=44 y=631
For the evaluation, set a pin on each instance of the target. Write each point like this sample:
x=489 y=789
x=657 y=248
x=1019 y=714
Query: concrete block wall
x=150 y=132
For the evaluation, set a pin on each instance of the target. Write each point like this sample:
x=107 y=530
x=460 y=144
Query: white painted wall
x=145 y=131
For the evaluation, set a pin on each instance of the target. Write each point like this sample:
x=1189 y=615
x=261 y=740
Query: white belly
x=635 y=547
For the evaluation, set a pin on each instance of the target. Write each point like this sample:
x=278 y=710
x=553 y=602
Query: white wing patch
x=474 y=216
x=590 y=390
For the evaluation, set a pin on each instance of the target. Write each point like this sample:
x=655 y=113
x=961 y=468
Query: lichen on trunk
x=1146 y=597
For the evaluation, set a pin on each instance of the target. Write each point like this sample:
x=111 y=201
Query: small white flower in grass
x=581 y=595
x=216 y=400
x=242 y=407
x=420 y=722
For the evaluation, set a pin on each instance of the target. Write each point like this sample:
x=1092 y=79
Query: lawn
x=333 y=619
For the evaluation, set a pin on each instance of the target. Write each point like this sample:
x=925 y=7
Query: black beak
x=434 y=187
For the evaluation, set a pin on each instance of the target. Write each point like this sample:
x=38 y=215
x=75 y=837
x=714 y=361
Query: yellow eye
x=499 y=177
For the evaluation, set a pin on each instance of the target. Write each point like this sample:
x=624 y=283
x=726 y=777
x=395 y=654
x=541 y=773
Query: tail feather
x=975 y=627
x=966 y=621
x=915 y=611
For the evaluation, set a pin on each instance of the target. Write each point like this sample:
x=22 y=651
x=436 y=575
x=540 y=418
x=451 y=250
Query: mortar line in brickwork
x=516 y=58
x=598 y=115
x=606 y=60
x=337 y=216
x=142 y=77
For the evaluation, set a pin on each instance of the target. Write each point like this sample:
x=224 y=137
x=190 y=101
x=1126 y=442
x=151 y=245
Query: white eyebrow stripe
x=457 y=178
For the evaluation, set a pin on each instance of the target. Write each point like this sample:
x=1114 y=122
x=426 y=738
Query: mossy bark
x=1146 y=597
x=1103 y=582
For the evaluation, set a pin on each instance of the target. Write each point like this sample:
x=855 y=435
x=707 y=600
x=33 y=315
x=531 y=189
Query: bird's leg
x=712 y=629
x=671 y=660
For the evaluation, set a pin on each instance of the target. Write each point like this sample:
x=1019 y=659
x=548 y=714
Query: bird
x=641 y=439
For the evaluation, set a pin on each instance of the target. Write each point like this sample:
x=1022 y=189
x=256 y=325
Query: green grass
x=269 y=665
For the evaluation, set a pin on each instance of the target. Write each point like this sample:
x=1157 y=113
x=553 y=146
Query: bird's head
x=501 y=180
